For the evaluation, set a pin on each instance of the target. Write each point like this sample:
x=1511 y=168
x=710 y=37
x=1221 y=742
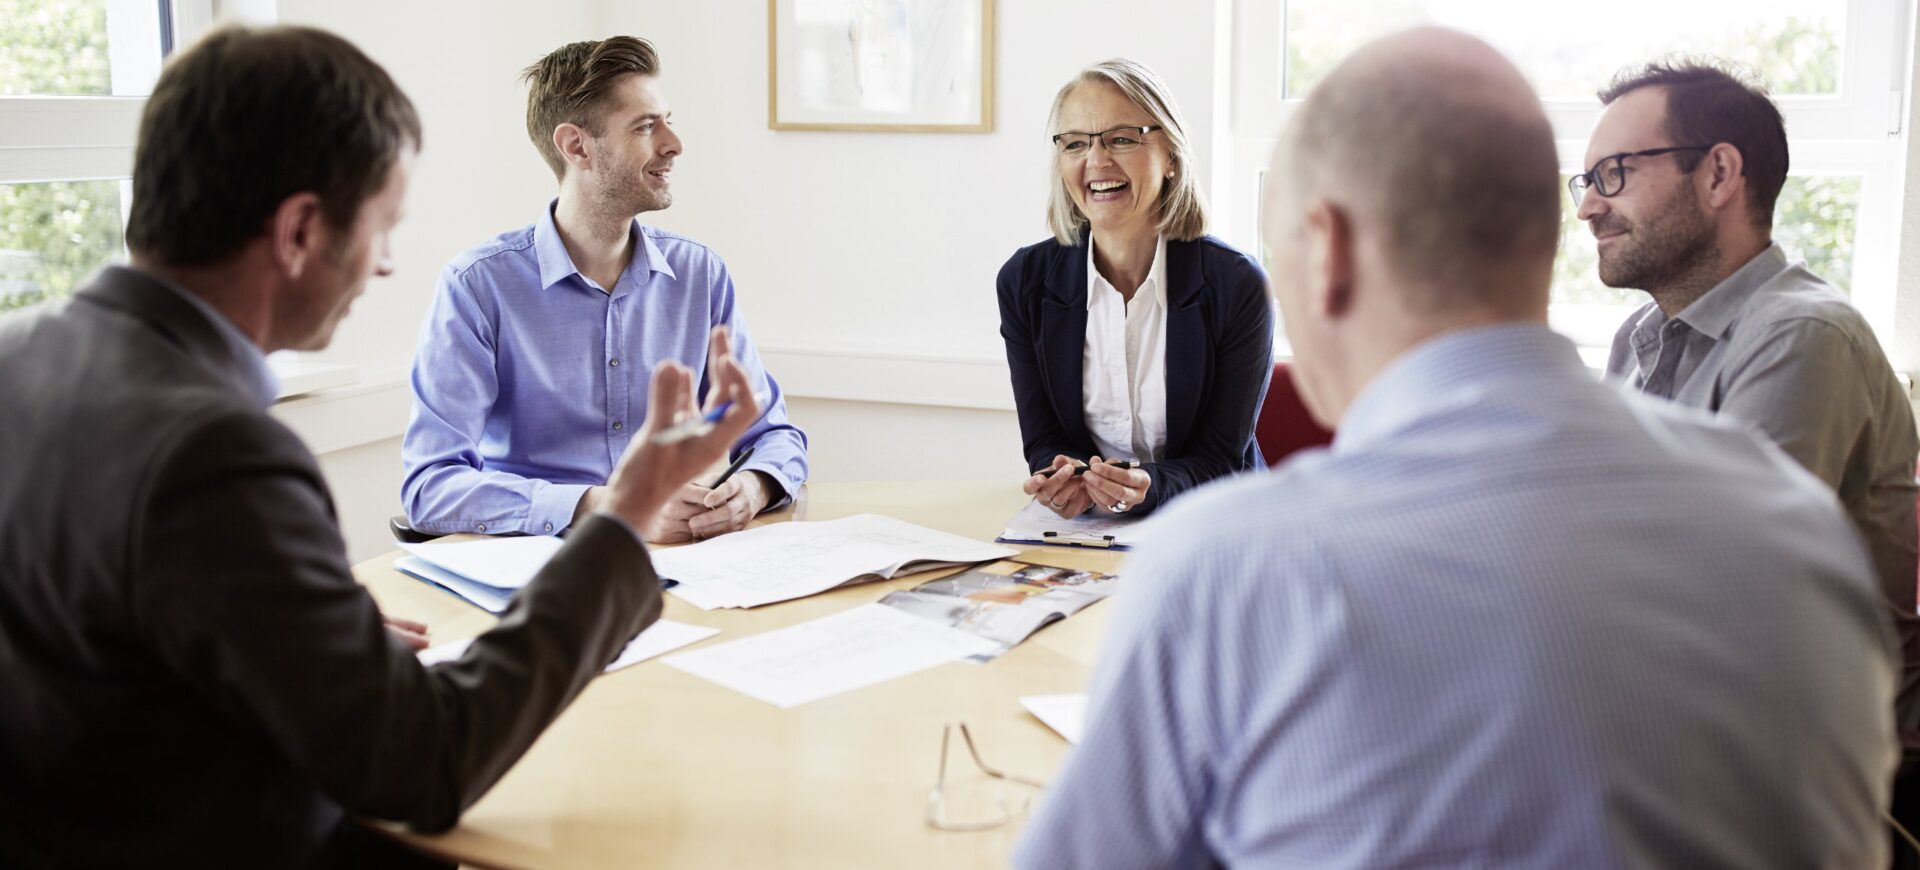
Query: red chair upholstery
x=1284 y=425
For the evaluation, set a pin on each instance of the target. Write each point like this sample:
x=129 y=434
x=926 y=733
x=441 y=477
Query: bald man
x=1512 y=617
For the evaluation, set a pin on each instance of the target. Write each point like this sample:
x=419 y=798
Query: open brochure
x=783 y=561
x=1004 y=602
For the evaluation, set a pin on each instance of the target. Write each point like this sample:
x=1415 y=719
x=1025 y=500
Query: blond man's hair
x=571 y=86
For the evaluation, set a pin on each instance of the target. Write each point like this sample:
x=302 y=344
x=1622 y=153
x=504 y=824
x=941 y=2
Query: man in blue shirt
x=1512 y=617
x=531 y=376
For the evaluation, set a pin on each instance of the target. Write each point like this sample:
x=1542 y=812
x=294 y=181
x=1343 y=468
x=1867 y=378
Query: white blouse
x=1123 y=373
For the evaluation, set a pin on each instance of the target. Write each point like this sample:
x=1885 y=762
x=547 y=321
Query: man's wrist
x=589 y=501
x=772 y=492
x=638 y=507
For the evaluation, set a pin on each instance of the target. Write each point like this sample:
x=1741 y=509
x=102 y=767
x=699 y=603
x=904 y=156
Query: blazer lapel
x=1187 y=353
x=1063 y=338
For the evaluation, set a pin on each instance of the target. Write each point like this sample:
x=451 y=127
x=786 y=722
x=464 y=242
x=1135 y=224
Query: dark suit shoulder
x=1029 y=265
x=1229 y=266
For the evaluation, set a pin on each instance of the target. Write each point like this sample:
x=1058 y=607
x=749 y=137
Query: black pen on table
x=737 y=462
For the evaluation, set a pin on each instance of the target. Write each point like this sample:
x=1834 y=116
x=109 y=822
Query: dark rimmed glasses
x=1118 y=140
x=1609 y=176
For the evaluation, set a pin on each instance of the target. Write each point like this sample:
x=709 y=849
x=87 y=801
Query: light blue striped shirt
x=530 y=380
x=1511 y=618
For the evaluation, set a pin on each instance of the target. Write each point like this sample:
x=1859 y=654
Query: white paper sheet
x=784 y=561
x=859 y=647
x=1065 y=714
x=660 y=638
x=502 y=563
x=1031 y=524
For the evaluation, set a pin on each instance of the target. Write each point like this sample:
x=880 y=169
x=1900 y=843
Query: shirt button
x=614 y=362
x=481 y=526
x=549 y=527
x=616 y=424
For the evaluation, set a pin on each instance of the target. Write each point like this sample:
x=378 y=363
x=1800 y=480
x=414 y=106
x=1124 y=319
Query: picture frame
x=892 y=66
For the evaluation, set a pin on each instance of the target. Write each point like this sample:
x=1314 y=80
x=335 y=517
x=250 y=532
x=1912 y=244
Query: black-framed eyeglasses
x=1609 y=176
x=1118 y=140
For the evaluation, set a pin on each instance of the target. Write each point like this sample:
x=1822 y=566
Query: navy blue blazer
x=1219 y=358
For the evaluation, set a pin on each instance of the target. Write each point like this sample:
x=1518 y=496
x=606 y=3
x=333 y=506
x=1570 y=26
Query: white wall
x=366 y=492
x=861 y=249
x=878 y=441
x=1905 y=350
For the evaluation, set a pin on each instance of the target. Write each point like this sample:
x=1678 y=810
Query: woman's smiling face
x=1117 y=192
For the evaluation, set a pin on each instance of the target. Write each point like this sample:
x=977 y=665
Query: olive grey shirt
x=1777 y=347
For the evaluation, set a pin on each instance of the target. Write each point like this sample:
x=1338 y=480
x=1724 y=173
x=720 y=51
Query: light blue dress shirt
x=530 y=380
x=1512 y=617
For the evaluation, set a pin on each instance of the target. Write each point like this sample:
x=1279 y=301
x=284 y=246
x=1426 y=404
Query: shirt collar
x=1156 y=273
x=556 y=264
x=1453 y=368
x=260 y=379
x=1714 y=312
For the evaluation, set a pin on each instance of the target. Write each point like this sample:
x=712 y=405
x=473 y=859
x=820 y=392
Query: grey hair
x=1183 y=211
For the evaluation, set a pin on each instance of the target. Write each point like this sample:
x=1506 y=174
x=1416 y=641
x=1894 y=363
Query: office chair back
x=1284 y=425
x=406 y=533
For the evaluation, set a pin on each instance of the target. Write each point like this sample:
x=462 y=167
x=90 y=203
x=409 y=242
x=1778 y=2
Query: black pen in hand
x=1124 y=465
x=737 y=462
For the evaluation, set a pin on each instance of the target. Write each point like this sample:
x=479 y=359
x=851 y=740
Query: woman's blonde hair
x=1183 y=212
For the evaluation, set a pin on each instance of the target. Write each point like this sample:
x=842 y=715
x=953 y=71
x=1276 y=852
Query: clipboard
x=1034 y=524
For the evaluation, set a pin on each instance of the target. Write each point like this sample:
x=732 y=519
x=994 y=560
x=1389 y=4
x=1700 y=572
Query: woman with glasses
x=1140 y=346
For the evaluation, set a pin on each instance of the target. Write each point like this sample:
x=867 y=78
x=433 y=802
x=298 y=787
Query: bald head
x=1433 y=142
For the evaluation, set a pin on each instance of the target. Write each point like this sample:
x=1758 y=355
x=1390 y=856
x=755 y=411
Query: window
x=1794 y=44
x=72 y=77
x=1834 y=67
x=52 y=234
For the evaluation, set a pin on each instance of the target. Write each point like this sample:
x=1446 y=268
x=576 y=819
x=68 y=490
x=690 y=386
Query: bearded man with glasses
x=1685 y=166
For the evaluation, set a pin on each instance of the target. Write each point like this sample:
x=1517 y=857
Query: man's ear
x=1720 y=177
x=298 y=233
x=571 y=141
x=1330 y=256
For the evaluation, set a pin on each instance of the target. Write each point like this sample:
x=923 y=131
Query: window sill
x=369 y=409
x=298 y=378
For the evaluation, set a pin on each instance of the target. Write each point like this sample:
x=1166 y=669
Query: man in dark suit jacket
x=188 y=672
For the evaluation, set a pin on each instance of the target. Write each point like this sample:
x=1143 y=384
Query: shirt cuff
x=783 y=493
x=553 y=507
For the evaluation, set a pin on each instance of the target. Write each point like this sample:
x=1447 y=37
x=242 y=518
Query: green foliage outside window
x=52 y=235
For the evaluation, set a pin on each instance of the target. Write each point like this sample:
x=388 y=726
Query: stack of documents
x=1035 y=524
x=485 y=572
x=784 y=561
x=660 y=638
x=806 y=662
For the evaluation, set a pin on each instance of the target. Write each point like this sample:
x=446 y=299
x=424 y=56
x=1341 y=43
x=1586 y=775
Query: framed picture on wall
x=902 y=66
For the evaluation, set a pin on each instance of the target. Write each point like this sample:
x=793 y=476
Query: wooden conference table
x=655 y=767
